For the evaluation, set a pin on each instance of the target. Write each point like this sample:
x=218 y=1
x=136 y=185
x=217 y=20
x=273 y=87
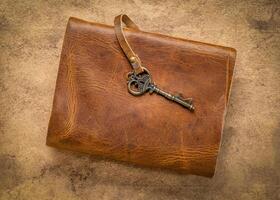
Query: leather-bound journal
x=94 y=112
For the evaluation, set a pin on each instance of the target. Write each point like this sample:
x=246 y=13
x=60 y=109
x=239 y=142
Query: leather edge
x=50 y=140
x=224 y=49
x=231 y=70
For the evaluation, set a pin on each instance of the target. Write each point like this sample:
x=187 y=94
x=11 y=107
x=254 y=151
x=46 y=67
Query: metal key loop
x=139 y=84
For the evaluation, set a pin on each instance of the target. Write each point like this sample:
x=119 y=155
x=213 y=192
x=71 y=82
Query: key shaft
x=186 y=103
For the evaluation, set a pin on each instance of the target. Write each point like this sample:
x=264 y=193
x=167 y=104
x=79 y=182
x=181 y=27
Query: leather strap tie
x=131 y=56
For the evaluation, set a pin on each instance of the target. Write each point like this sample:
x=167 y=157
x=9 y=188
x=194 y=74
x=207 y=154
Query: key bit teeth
x=189 y=100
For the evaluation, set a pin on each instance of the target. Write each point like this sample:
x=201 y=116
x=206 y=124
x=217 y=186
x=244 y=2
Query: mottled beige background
x=31 y=34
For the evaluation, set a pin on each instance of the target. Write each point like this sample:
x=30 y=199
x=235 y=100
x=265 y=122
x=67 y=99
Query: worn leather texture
x=94 y=113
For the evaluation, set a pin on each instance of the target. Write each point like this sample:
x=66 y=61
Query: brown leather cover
x=94 y=113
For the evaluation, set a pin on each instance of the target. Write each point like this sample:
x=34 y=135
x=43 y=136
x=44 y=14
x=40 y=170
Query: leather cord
x=131 y=56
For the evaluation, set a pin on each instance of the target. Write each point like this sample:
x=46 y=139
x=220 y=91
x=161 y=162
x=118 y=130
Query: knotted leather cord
x=131 y=56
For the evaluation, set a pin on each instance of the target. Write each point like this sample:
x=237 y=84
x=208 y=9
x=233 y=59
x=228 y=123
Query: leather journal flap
x=93 y=112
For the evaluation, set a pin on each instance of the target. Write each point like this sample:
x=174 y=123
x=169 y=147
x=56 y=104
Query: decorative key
x=142 y=83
